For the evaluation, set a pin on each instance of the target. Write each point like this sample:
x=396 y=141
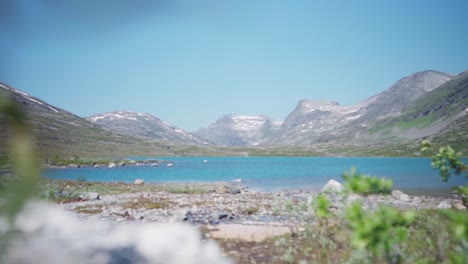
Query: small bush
x=382 y=231
x=446 y=160
x=322 y=207
x=364 y=184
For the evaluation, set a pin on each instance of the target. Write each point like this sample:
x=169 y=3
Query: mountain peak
x=240 y=130
x=426 y=81
x=144 y=125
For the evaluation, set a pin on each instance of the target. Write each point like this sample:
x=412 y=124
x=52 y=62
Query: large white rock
x=333 y=186
x=399 y=195
x=444 y=205
x=139 y=182
x=48 y=234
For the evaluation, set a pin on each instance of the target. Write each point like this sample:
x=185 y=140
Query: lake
x=270 y=173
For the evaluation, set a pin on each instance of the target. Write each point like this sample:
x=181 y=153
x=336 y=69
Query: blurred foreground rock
x=48 y=234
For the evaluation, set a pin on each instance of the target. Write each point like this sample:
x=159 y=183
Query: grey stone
x=444 y=205
x=221 y=216
x=399 y=195
x=353 y=198
x=459 y=206
x=332 y=186
x=112 y=165
x=139 y=182
x=231 y=189
x=89 y=196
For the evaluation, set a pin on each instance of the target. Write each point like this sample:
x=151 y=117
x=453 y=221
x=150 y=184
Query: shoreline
x=246 y=225
x=442 y=192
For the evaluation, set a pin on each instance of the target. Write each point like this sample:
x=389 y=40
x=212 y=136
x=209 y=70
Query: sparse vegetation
x=383 y=231
x=251 y=210
x=88 y=210
x=146 y=203
x=364 y=184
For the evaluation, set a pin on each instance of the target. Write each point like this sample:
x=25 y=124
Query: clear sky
x=190 y=62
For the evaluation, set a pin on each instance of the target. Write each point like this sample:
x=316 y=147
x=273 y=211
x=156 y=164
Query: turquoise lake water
x=271 y=173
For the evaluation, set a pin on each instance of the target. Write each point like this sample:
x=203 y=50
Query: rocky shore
x=195 y=223
x=223 y=204
x=113 y=163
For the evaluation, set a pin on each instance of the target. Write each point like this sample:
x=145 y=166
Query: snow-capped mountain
x=240 y=130
x=318 y=122
x=144 y=125
x=313 y=118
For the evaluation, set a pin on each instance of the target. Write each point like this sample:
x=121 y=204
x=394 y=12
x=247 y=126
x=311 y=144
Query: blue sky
x=190 y=62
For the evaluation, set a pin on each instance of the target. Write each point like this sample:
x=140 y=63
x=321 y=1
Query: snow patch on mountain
x=144 y=125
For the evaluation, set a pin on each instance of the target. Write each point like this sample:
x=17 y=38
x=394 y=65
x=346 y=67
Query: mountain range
x=240 y=130
x=58 y=132
x=408 y=110
x=427 y=104
x=144 y=125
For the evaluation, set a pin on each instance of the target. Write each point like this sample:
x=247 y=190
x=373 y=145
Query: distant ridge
x=60 y=133
x=240 y=130
x=144 y=125
x=317 y=122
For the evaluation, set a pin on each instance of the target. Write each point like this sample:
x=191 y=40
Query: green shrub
x=382 y=231
x=446 y=160
x=322 y=206
x=364 y=184
x=459 y=231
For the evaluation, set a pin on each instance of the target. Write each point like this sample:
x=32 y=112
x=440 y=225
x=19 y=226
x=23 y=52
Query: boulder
x=351 y=198
x=73 y=166
x=401 y=196
x=333 y=186
x=444 y=205
x=112 y=165
x=121 y=164
x=89 y=196
x=139 y=182
x=221 y=215
x=97 y=166
x=459 y=206
x=231 y=189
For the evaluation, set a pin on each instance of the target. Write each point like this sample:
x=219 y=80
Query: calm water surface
x=270 y=174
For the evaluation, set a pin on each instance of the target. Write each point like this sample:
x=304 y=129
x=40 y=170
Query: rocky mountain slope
x=58 y=132
x=386 y=118
x=323 y=122
x=400 y=95
x=240 y=130
x=54 y=128
x=312 y=119
x=144 y=125
x=442 y=112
